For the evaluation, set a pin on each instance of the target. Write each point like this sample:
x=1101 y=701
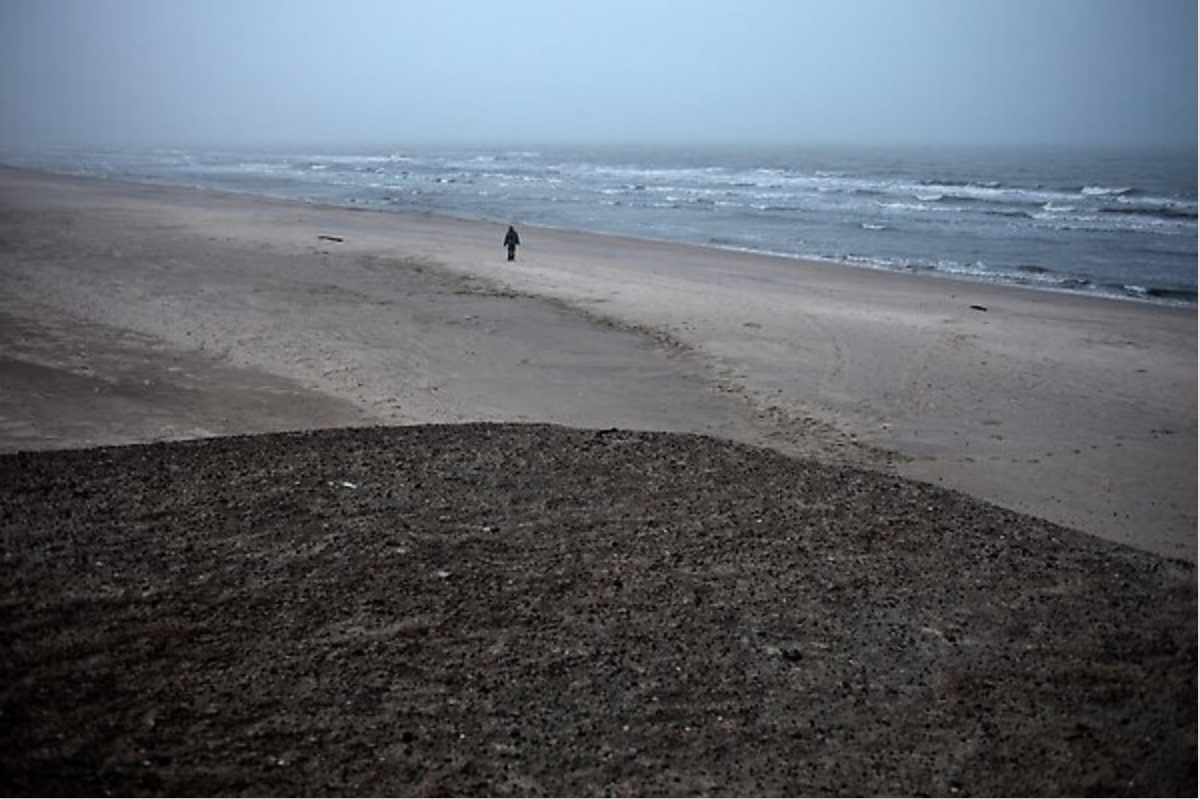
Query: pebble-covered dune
x=528 y=609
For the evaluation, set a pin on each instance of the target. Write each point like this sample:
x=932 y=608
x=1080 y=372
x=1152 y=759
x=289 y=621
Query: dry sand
x=1078 y=410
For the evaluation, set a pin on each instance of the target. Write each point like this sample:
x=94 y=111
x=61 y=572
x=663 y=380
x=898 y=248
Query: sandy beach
x=299 y=500
x=181 y=313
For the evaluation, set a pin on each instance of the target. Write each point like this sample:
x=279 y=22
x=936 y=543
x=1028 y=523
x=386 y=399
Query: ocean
x=1120 y=223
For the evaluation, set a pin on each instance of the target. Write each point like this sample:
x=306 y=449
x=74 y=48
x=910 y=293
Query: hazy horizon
x=370 y=73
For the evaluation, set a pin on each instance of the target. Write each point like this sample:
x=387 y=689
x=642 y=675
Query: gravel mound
x=528 y=609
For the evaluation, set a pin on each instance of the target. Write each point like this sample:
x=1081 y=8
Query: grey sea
x=1120 y=223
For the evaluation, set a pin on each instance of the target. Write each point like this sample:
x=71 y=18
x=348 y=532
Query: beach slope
x=530 y=610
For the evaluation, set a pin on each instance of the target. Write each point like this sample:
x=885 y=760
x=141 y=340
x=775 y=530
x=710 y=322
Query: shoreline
x=1124 y=293
x=1152 y=298
x=1075 y=408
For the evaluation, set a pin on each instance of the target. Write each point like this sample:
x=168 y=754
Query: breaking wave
x=1012 y=219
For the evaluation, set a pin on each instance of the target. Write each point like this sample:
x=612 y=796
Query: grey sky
x=376 y=71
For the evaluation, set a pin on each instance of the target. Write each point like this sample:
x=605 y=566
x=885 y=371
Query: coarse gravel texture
x=490 y=609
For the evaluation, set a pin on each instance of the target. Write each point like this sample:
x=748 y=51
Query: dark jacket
x=511 y=239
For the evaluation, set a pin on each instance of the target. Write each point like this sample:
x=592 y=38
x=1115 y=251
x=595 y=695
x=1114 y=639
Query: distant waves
x=1121 y=224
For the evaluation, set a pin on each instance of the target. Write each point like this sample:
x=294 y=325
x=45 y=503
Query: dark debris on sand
x=528 y=610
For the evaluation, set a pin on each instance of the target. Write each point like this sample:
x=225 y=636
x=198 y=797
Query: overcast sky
x=390 y=71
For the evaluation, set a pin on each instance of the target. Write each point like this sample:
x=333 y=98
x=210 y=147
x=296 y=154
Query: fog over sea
x=1120 y=223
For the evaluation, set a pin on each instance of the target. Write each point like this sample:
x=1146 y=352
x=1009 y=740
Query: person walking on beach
x=511 y=240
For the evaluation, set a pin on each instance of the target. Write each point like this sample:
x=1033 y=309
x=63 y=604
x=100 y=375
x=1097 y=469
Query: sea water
x=1108 y=222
